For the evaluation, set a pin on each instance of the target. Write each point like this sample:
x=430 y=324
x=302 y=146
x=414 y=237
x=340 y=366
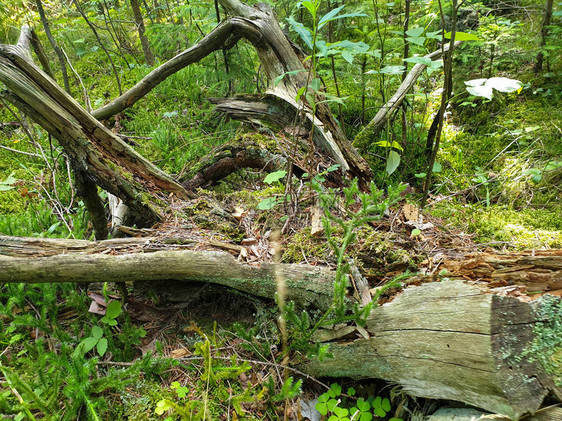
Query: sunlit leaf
x=274 y=176
x=462 y=36
x=421 y=60
x=484 y=87
x=347 y=56
x=392 y=162
x=504 y=84
x=415 y=32
x=416 y=40
x=392 y=70
x=329 y=16
x=302 y=30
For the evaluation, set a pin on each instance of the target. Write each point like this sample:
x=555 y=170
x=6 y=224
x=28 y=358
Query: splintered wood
x=533 y=272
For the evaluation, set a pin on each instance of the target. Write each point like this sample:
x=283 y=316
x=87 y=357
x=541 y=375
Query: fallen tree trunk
x=145 y=260
x=445 y=340
x=449 y=340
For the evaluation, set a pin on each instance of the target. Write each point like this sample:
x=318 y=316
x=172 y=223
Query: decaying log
x=85 y=261
x=538 y=270
x=99 y=155
x=446 y=340
x=229 y=158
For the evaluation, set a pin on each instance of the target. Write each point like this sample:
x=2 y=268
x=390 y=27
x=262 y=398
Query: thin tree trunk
x=447 y=89
x=58 y=51
x=544 y=33
x=148 y=56
x=100 y=42
x=405 y=73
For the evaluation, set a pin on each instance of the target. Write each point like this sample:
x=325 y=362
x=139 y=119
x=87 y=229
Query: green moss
x=11 y=202
x=522 y=228
x=546 y=348
x=303 y=245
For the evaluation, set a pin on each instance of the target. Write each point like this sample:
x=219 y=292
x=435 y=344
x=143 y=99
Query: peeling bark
x=91 y=147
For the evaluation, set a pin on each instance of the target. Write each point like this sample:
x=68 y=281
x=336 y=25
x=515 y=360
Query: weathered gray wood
x=305 y=285
x=92 y=148
x=448 y=340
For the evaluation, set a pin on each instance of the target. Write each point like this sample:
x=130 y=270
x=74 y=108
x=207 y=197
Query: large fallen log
x=449 y=340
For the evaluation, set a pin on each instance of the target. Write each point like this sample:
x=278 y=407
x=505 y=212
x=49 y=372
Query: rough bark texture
x=448 y=340
x=445 y=340
x=229 y=158
x=93 y=149
x=148 y=56
x=305 y=285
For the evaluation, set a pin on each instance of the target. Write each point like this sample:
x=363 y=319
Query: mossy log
x=449 y=340
x=445 y=340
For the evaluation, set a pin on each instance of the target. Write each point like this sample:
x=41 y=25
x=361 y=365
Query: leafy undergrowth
x=64 y=358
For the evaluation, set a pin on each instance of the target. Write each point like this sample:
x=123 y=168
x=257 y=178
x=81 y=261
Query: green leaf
x=302 y=30
x=415 y=32
x=351 y=391
x=421 y=60
x=274 y=176
x=416 y=40
x=88 y=344
x=392 y=162
x=7 y=183
x=434 y=35
x=387 y=144
x=363 y=405
x=386 y=404
x=379 y=412
x=311 y=7
x=366 y=416
x=392 y=70
x=101 y=347
x=329 y=16
x=291 y=73
x=268 y=203
x=113 y=309
x=336 y=388
x=462 y=36
x=332 y=403
x=437 y=167
x=347 y=56
x=341 y=412
x=97 y=332
x=322 y=408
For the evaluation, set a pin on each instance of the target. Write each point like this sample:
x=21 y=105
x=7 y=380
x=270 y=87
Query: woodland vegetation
x=281 y=210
